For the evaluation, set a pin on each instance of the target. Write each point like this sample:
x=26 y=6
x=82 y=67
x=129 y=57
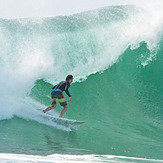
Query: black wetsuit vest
x=63 y=86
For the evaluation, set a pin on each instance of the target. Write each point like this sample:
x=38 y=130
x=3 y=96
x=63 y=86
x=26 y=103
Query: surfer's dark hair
x=69 y=77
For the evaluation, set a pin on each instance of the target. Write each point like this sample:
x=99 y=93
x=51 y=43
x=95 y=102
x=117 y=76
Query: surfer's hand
x=69 y=99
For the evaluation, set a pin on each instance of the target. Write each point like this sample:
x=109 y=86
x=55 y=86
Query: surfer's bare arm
x=69 y=99
x=67 y=92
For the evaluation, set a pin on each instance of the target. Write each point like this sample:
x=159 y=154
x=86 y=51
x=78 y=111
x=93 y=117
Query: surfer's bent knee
x=54 y=105
x=66 y=107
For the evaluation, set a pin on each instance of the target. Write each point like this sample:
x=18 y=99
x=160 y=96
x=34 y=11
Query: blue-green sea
x=116 y=57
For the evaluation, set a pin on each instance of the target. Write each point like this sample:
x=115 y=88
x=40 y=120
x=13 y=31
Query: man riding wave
x=57 y=93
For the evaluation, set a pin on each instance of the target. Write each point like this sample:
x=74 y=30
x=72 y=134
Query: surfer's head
x=69 y=78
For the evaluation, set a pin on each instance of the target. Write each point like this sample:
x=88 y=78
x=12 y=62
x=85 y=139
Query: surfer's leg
x=49 y=108
x=63 y=110
x=53 y=105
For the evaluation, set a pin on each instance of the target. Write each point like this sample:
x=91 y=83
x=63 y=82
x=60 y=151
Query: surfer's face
x=71 y=80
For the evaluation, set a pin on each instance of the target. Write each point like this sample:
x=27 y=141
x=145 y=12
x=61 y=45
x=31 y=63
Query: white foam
x=12 y=158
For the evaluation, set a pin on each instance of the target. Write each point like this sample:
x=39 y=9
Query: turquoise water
x=117 y=90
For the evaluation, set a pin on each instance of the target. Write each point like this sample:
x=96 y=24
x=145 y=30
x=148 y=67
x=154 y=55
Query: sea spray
x=121 y=105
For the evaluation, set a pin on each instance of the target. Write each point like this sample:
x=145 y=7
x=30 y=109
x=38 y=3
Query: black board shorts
x=58 y=94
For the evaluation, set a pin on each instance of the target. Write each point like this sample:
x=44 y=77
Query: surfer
x=57 y=93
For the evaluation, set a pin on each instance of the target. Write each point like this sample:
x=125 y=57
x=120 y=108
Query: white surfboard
x=62 y=120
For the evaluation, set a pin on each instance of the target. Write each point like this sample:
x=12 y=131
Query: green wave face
x=122 y=106
x=117 y=91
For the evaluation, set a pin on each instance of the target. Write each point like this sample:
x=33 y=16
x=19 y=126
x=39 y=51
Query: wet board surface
x=63 y=120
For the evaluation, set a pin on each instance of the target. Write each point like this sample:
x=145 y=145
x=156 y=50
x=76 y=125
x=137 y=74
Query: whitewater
x=115 y=56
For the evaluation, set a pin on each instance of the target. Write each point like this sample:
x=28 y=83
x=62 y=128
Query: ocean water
x=115 y=55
